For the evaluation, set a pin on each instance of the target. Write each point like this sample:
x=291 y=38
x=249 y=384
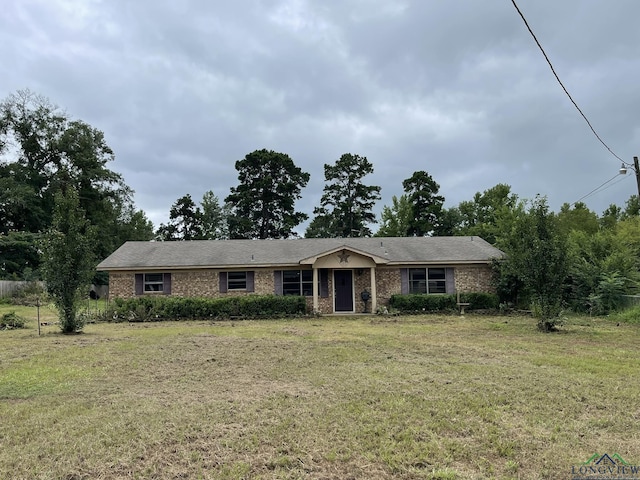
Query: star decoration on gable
x=344 y=257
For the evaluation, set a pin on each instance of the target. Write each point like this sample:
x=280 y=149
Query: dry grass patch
x=377 y=398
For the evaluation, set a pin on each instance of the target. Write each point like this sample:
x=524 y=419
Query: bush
x=630 y=315
x=480 y=300
x=418 y=303
x=145 y=309
x=30 y=294
x=12 y=320
x=608 y=296
x=548 y=315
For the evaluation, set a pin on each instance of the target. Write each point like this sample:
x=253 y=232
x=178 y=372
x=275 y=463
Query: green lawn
x=428 y=397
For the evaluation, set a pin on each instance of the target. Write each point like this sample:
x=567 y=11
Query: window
x=297 y=282
x=417 y=280
x=237 y=280
x=437 y=280
x=427 y=280
x=154 y=282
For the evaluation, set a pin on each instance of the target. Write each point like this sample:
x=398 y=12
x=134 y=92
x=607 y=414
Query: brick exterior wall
x=121 y=285
x=474 y=278
x=361 y=282
x=197 y=283
x=388 y=282
x=205 y=283
x=264 y=282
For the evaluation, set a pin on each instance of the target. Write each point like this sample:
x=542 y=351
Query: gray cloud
x=184 y=89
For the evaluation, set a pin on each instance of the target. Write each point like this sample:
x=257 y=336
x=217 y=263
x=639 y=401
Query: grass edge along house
x=334 y=274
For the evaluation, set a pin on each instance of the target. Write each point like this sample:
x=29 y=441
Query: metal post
x=38 y=307
x=637 y=168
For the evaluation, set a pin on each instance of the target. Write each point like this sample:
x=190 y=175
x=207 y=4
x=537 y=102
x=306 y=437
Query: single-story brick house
x=332 y=273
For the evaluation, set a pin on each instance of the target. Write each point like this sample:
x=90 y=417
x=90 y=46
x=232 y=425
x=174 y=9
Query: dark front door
x=343 y=281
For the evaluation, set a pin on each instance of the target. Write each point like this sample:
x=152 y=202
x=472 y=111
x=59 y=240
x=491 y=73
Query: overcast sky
x=458 y=88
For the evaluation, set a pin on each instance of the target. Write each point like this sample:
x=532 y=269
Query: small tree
x=215 y=225
x=395 y=220
x=68 y=258
x=537 y=256
x=608 y=295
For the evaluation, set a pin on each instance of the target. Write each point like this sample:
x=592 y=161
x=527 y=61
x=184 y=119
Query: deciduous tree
x=19 y=255
x=484 y=215
x=537 y=256
x=598 y=262
x=43 y=151
x=579 y=218
x=632 y=207
x=395 y=220
x=68 y=258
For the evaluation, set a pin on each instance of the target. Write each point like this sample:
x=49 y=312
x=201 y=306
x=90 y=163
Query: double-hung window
x=237 y=280
x=427 y=280
x=437 y=279
x=417 y=280
x=151 y=283
x=300 y=282
x=154 y=282
x=297 y=282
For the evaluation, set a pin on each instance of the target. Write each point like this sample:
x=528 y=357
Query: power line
x=562 y=85
x=599 y=188
x=622 y=179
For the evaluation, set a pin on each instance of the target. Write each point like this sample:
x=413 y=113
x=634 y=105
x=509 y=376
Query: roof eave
x=129 y=268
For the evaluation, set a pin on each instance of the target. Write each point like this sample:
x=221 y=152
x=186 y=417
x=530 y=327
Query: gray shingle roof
x=262 y=253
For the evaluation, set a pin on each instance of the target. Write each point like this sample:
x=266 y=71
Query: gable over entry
x=343 y=262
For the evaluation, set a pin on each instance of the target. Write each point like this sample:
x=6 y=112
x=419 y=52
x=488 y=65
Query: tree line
x=570 y=258
x=262 y=206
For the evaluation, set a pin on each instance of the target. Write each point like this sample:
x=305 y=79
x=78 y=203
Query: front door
x=343 y=282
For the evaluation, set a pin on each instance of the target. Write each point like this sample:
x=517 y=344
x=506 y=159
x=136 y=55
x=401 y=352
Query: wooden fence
x=631 y=300
x=7 y=287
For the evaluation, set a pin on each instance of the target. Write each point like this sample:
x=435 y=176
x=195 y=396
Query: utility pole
x=637 y=169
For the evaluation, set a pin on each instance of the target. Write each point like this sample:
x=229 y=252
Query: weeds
x=12 y=320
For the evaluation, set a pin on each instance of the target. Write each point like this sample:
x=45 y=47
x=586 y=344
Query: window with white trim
x=427 y=280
